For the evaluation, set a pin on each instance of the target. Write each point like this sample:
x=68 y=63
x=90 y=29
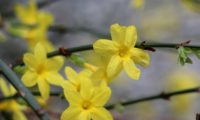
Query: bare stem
x=162 y=95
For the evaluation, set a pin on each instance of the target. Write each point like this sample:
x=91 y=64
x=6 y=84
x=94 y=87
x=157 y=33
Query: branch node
x=147 y=48
x=198 y=116
x=164 y=96
x=21 y=93
x=182 y=44
x=41 y=111
x=64 y=51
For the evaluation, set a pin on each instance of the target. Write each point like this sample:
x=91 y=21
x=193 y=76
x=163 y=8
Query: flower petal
x=74 y=98
x=55 y=63
x=116 y=33
x=54 y=78
x=130 y=36
x=101 y=96
x=71 y=74
x=140 y=57
x=29 y=78
x=18 y=115
x=86 y=88
x=40 y=52
x=30 y=61
x=105 y=47
x=101 y=114
x=44 y=88
x=4 y=87
x=131 y=69
x=114 y=66
x=71 y=113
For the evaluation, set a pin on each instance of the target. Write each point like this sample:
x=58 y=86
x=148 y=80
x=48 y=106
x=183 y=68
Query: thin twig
x=23 y=91
x=69 y=51
x=163 y=95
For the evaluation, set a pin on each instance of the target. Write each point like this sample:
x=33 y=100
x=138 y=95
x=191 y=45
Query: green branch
x=163 y=95
x=149 y=46
x=23 y=91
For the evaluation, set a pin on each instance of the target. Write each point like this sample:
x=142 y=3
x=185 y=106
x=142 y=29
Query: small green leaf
x=77 y=59
x=196 y=52
x=188 y=60
x=119 y=108
x=183 y=55
x=20 y=69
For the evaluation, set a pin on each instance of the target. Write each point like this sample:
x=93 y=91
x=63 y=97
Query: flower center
x=78 y=87
x=123 y=52
x=86 y=105
x=40 y=69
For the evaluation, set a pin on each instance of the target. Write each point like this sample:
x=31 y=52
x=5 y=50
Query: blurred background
x=164 y=21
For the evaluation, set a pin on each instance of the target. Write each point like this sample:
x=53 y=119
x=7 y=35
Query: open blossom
x=122 y=52
x=11 y=105
x=74 y=79
x=41 y=70
x=86 y=103
x=29 y=15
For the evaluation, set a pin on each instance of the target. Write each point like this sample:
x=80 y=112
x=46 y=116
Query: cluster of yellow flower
x=87 y=92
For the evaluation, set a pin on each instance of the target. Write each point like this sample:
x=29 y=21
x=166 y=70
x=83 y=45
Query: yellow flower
x=180 y=81
x=122 y=52
x=101 y=64
x=88 y=103
x=74 y=79
x=138 y=3
x=11 y=105
x=41 y=70
x=31 y=16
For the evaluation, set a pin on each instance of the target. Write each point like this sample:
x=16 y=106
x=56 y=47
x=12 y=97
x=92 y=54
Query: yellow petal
x=54 y=78
x=140 y=57
x=12 y=90
x=18 y=115
x=86 y=88
x=4 y=87
x=101 y=96
x=71 y=113
x=30 y=61
x=44 y=88
x=40 y=52
x=114 y=66
x=67 y=85
x=130 y=36
x=105 y=47
x=73 y=97
x=20 y=11
x=116 y=34
x=45 y=19
x=55 y=63
x=29 y=78
x=101 y=114
x=131 y=69
x=71 y=74
x=85 y=116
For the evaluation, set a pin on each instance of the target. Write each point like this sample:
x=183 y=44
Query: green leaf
x=183 y=55
x=77 y=59
x=119 y=108
x=20 y=69
x=196 y=52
